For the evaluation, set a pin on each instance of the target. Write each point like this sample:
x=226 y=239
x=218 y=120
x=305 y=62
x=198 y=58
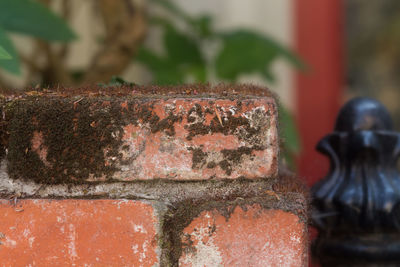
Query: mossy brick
x=137 y=133
x=250 y=212
x=78 y=233
x=249 y=236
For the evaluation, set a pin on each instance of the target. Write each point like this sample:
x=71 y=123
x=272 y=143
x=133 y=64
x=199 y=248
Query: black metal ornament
x=356 y=207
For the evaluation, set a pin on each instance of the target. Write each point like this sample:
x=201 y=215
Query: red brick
x=251 y=237
x=166 y=156
x=177 y=138
x=77 y=233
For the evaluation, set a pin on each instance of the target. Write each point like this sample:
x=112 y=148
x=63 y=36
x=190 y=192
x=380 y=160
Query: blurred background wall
x=372 y=42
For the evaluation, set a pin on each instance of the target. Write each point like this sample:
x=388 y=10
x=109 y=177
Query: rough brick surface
x=250 y=237
x=207 y=139
x=77 y=233
x=139 y=143
x=86 y=139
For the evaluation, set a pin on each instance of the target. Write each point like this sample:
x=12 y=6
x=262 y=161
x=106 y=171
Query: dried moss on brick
x=222 y=90
x=80 y=136
x=182 y=213
x=82 y=129
x=239 y=126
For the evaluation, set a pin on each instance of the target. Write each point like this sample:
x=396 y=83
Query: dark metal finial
x=357 y=205
x=363 y=113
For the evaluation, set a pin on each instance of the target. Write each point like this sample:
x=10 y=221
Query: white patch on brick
x=26 y=233
x=139 y=228
x=142 y=255
x=72 y=242
x=119 y=202
x=31 y=240
x=135 y=248
x=205 y=254
x=233 y=110
x=9 y=243
x=295 y=238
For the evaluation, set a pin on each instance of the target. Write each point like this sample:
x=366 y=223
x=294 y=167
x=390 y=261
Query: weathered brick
x=247 y=237
x=77 y=233
x=208 y=139
x=85 y=138
x=54 y=143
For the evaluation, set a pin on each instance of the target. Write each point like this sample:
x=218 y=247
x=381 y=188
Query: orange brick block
x=251 y=237
x=88 y=139
x=77 y=233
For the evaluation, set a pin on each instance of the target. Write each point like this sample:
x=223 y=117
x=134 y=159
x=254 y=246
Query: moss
x=241 y=127
x=292 y=197
x=230 y=126
x=230 y=91
x=211 y=165
x=166 y=124
x=82 y=129
x=181 y=214
x=198 y=158
x=232 y=157
x=75 y=137
x=80 y=137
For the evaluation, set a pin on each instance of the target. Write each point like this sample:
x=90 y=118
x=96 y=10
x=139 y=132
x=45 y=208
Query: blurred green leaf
x=162 y=70
x=183 y=59
x=4 y=54
x=290 y=135
x=203 y=25
x=150 y=59
x=289 y=130
x=33 y=18
x=180 y=48
x=12 y=64
x=116 y=81
x=174 y=9
x=248 y=52
x=168 y=77
x=198 y=72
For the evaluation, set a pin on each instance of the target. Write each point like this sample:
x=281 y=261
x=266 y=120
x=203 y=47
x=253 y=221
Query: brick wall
x=147 y=176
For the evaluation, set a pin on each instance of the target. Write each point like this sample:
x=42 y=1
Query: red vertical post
x=319 y=41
